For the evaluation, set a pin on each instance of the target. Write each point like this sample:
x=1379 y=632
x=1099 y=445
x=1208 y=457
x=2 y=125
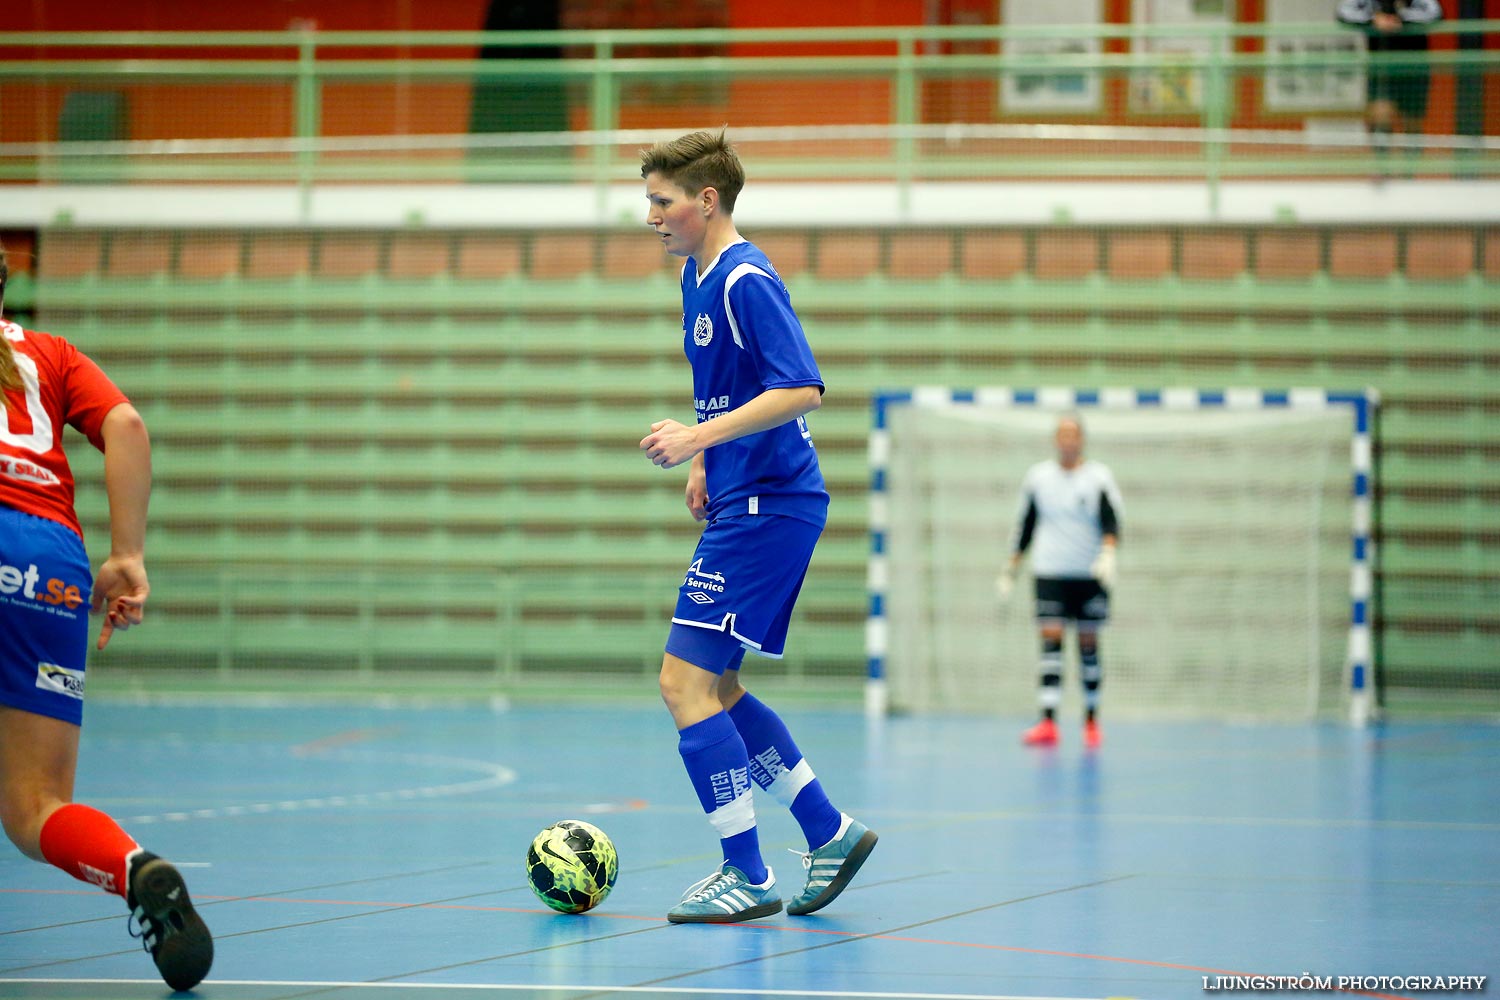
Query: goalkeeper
x=1070 y=522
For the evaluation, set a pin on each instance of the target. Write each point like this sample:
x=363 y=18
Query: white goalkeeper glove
x=1103 y=568
x=1005 y=583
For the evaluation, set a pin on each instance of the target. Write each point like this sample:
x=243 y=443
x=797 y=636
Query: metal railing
x=1204 y=139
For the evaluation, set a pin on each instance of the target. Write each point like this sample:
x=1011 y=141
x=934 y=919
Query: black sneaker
x=170 y=928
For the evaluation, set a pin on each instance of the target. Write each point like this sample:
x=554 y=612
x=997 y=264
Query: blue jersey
x=742 y=338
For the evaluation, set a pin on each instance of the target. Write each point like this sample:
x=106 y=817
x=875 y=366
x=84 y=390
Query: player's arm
x=1025 y=529
x=697 y=488
x=671 y=443
x=1109 y=520
x=120 y=588
x=769 y=330
x=771 y=408
x=1103 y=568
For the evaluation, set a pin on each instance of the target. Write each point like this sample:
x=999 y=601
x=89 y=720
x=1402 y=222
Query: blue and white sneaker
x=727 y=897
x=831 y=867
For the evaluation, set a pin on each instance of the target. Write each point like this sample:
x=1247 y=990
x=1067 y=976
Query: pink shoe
x=1043 y=734
x=1092 y=737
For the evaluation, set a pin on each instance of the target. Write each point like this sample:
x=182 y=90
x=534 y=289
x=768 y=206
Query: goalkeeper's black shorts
x=1071 y=600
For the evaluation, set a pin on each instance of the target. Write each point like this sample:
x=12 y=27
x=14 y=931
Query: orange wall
x=174 y=15
x=812 y=101
x=206 y=111
x=792 y=14
x=163 y=111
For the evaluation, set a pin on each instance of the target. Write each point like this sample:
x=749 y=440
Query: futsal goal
x=1245 y=561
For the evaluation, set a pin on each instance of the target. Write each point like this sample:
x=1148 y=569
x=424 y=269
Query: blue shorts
x=739 y=592
x=44 y=616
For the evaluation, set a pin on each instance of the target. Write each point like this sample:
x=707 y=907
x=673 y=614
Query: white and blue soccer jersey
x=1065 y=514
x=742 y=338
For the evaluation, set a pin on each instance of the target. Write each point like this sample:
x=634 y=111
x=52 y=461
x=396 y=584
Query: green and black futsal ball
x=572 y=865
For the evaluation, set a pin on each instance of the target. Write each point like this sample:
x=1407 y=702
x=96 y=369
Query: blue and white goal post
x=1246 y=510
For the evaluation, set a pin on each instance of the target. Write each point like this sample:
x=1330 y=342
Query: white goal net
x=1233 y=596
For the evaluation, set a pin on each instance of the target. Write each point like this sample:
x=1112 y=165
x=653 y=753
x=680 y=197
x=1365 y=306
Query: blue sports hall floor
x=359 y=852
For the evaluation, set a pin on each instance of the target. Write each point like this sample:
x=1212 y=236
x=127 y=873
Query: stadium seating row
x=403 y=341
x=1133 y=253
x=330 y=404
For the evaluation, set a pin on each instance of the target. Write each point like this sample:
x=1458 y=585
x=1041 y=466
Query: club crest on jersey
x=703 y=330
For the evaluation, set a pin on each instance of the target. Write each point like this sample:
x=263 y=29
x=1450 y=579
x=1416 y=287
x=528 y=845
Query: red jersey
x=62 y=386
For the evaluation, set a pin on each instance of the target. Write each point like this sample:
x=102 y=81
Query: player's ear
x=708 y=200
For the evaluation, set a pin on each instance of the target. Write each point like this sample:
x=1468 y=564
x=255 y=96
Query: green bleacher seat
x=457 y=413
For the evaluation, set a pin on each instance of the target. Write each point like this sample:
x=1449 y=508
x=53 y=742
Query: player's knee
x=729 y=689
x=22 y=816
x=1088 y=643
x=14 y=829
x=684 y=686
x=673 y=689
x=1052 y=637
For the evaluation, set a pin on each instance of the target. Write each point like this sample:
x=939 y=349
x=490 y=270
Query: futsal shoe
x=830 y=867
x=1043 y=734
x=170 y=928
x=727 y=897
x=1092 y=737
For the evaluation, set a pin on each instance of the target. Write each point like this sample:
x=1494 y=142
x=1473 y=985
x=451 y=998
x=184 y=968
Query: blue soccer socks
x=779 y=767
x=718 y=766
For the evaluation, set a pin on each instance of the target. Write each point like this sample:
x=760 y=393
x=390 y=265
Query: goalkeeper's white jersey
x=1065 y=513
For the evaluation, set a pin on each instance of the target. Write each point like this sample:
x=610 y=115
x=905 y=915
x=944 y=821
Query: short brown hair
x=696 y=161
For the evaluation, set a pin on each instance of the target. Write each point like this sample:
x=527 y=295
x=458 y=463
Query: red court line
x=768 y=928
x=345 y=738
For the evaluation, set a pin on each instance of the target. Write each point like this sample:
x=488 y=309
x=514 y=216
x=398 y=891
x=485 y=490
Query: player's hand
x=697 y=492
x=1005 y=585
x=120 y=591
x=1005 y=582
x=670 y=443
x=1386 y=23
x=1103 y=568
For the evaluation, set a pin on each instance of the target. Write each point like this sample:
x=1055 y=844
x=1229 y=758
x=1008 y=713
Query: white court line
x=494 y=776
x=593 y=988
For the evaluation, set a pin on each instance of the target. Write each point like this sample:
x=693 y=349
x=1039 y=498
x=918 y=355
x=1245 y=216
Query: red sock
x=88 y=845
